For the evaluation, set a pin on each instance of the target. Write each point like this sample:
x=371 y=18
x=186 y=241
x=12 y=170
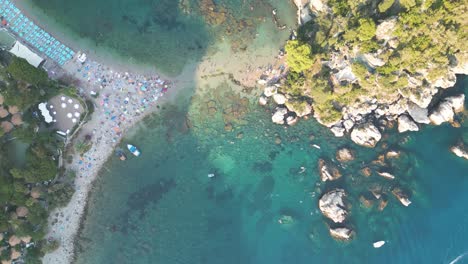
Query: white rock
x=460 y=150
x=262 y=82
x=386 y=175
x=406 y=124
x=385 y=29
x=457 y=102
x=348 y=124
x=332 y=205
x=401 y=196
x=366 y=135
x=270 y=90
x=419 y=114
x=338 y=131
x=443 y=113
x=341 y=233
x=291 y=120
x=262 y=100
x=279 y=98
x=278 y=116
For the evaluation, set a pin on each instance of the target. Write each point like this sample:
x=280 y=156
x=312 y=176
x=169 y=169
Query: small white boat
x=316 y=146
x=211 y=175
x=134 y=150
x=378 y=244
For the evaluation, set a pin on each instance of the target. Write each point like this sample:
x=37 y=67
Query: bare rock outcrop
x=332 y=205
x=366 y=135
x=342 y=233
x=406 y=124
x=328 y=171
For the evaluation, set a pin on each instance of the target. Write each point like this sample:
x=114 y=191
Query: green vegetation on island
x=378 y=49
x=31 y=183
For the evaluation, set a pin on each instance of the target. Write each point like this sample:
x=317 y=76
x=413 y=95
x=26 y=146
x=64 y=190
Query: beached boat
x=134 y=150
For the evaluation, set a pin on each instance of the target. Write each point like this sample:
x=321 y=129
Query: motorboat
x=134 y=150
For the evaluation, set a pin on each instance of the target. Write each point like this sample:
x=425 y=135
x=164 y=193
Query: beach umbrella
x=77 y=114
x=3 y=112
x=64 y=105
x=69 y=115
x=16 y=119
x=13 y=109
x=6 y=126
x=74 y=120
x=76 y=106
x=63 y=98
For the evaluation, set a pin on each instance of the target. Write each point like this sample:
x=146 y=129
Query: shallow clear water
x=163 y=208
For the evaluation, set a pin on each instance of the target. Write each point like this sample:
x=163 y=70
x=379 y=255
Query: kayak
x=134 y=150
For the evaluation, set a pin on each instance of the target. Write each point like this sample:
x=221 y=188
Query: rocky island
x=360 y=66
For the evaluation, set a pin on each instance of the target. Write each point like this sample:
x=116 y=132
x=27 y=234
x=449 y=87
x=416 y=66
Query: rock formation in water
x=332 y=205
x=328 y=171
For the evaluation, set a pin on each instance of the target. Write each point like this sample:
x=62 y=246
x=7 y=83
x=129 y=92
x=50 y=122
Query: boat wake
x=458 y=258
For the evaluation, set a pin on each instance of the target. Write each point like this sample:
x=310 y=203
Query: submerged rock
x=332 y=205
x=366 y=171
x=401 y=196
x=344 y=155
x=386 y=175
x=461 y=150
x=406 y=124
x=392 y=154
x=328 y=172
x=342 y=233
x=383 y=203
x=366 y=135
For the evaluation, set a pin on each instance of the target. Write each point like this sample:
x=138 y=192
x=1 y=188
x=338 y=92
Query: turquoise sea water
x=163 y=208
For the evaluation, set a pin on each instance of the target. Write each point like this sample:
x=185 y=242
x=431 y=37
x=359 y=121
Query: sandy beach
x=124 y=93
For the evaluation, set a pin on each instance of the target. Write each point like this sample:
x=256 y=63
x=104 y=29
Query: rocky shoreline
x=366 y=119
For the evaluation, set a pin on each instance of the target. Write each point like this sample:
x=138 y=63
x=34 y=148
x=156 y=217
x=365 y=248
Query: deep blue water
x=162 y=207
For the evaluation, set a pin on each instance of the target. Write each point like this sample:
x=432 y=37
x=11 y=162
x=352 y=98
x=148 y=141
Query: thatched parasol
x=16 y=119
x=15 y=254
x=26 y=239
x=7 y=126
x=22 y=211
x=14 y=240
x=13 y=109
x=3 y=112
x=35 y=193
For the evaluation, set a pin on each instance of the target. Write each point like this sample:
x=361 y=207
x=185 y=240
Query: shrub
x=298 y=56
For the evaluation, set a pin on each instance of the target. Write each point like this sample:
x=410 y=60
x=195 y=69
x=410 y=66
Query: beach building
x=62 y=112
x=32 y=35
x=24 y=52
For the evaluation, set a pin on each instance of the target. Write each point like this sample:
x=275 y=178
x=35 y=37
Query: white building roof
x=24 y=52
x=45 y=112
